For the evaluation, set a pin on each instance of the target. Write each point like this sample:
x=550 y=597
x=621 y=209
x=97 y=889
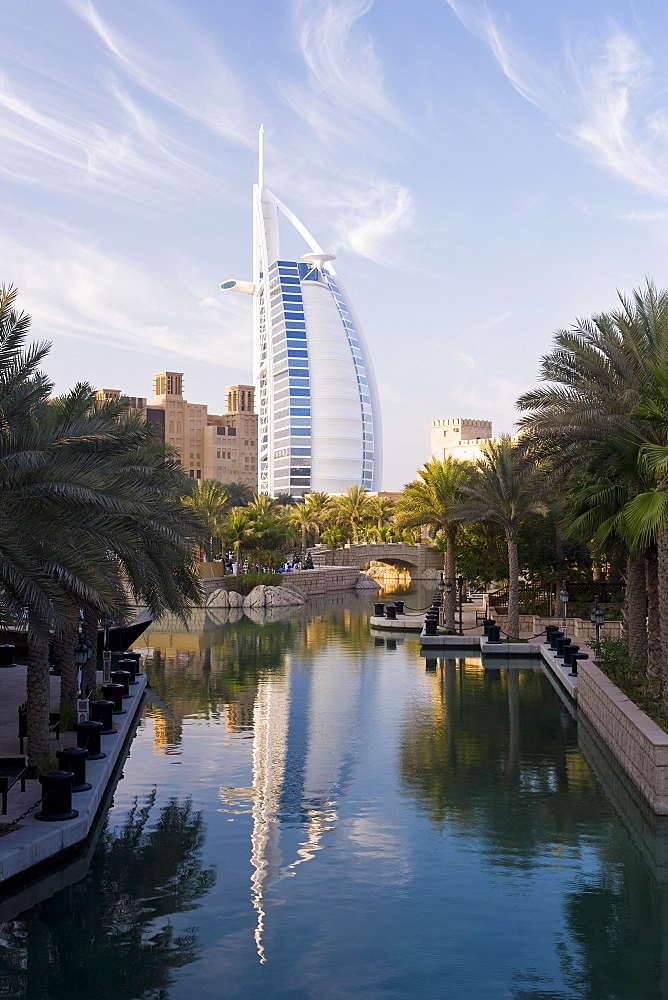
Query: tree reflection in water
x=498 y=762
x=110 y=936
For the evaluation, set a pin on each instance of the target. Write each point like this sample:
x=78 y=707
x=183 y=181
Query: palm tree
x=90 y=512
x=335 y=537
x=238 y=493
x=384 y=510
x=303 y=518
x=644 y=518
x=597 y=376
x=238 y=531
x=504 y=489
x=354 y=507
x=211 y=501
x=320 y=506
x=430 y=501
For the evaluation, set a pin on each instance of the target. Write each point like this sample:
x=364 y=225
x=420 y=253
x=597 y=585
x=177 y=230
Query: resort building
x=136 y=402
x=318 y=410
x=459 y=438
x=210 y=446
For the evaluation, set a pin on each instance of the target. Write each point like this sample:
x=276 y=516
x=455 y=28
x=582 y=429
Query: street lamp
x=441 y=583
x=564 y=597
x=597 y=617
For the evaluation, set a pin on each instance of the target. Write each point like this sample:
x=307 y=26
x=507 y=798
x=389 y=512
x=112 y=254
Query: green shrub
x=613 y=658
x=245 y=582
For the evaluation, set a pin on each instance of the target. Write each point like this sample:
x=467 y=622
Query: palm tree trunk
x=635 y=609
x=450 y=598
x=513 y=627
x=38 y=689
x=653 y=619
x=662 y=553
x=64 y=660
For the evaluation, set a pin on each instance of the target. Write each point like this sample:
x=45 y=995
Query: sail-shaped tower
x=318 y=411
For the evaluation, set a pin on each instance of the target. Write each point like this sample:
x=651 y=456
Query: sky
x=485 y=173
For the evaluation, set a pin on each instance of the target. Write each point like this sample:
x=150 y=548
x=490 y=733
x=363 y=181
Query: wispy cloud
x=345 y=85
x=73 y=289
x=179 y=65
x=605 y=95
x=369 y=217
x=103 y=143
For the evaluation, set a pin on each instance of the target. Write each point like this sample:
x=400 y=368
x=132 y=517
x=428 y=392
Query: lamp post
x=597 y=617
x=564 y=597
x=441 y=588
x=81 y=655
x=460 y=586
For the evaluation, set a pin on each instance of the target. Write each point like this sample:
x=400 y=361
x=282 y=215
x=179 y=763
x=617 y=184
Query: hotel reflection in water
x=305 y=717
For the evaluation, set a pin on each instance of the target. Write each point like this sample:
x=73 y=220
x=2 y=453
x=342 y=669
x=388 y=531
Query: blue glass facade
x=289 y=396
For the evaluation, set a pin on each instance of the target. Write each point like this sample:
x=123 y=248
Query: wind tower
x=317 y=403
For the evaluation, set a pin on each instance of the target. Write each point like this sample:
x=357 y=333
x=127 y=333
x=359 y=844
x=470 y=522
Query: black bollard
x=555 y=637
x=570 y=649
x=129 y=664
x=7 y=655
x=122 y=677
x=430 y=626
x=574 y=665
x=399 y=605
x=561 y=642
x=74 y=759
x=56 y=796
x=88 y=737
x=114 y=692
x=102 y=711
x=136 y=657
x=391 y=613
x=430 y=664
x=494 y=633
x=487 y=624
x=379 y=610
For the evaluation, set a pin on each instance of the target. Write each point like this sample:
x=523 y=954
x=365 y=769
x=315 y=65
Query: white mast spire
x=260 y=166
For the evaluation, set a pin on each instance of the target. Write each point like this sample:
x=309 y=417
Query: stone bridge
x=423 y=562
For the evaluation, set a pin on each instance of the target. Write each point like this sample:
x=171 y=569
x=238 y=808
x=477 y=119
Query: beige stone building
x=136 y=402
x=459 y=438
x=210 y=445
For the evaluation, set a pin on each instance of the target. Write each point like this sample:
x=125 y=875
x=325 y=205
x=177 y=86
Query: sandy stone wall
x=640 y=746
x=324 y=580
x=308 y=581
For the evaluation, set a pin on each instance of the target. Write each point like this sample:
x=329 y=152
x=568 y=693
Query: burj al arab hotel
x=319 y=417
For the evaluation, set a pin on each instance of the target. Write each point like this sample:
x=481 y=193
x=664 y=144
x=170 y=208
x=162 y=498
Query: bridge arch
x=422 y=561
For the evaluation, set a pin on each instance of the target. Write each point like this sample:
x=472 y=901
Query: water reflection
x=382 y=823
x=489 y=745
x=111 y=935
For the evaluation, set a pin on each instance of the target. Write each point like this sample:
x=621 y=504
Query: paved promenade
x=33 y=841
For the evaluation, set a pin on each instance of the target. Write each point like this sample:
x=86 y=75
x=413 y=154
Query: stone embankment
x=294 y=590
x=639 y=745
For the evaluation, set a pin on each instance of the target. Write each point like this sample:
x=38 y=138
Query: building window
x=192 y=473
x=232 y=431
x=199 y=473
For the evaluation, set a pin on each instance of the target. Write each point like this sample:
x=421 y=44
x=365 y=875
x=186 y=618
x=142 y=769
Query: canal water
x=312 y=811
